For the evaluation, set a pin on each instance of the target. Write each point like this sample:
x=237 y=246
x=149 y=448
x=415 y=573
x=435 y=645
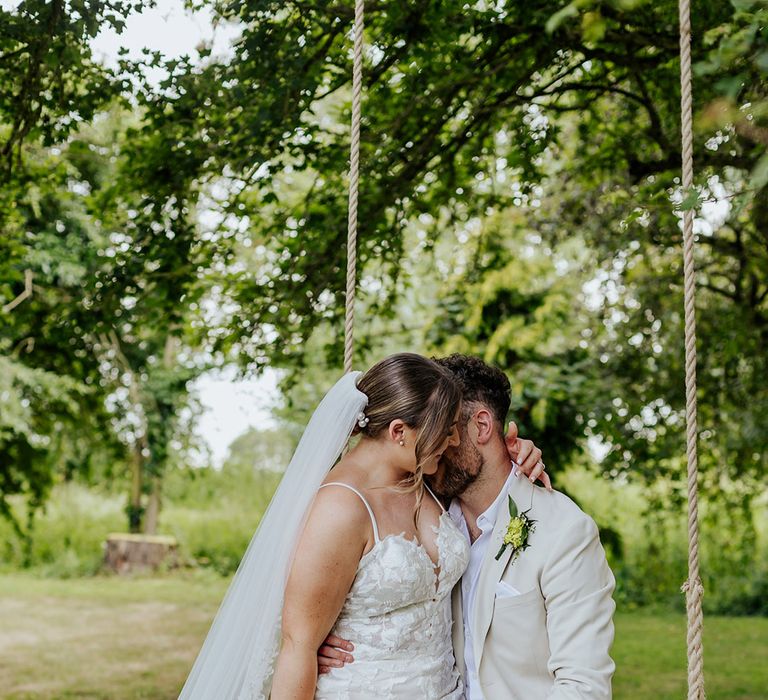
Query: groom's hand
x=527 y=456
x=333 y=654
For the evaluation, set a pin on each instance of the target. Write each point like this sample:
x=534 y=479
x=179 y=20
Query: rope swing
x=694 y=591
x=354 y=180
x=693 y=588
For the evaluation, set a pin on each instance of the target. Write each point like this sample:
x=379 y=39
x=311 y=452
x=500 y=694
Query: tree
x=260 y=449
x=470 y=111
x=569 y=120
x=519 y=305
x=102 y=349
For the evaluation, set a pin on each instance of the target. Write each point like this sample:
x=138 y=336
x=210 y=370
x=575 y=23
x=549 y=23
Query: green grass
x=102 y=638
x=650 y=655
x=121 y=639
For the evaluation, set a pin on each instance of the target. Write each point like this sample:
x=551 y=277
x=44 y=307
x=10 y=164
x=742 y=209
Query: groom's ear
x=486 y=426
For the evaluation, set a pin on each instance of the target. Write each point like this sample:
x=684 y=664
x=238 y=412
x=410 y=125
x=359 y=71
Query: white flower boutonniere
x=519 y=528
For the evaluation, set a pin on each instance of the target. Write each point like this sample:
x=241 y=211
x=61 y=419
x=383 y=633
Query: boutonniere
x=519 y=529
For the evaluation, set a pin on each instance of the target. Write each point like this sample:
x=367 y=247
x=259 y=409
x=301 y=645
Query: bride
x=377 y=559
x=363 y=550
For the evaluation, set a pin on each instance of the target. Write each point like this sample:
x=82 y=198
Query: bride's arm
x=324 y=567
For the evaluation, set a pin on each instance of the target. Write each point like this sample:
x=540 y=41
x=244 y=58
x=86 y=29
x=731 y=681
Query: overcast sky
x=167 y=27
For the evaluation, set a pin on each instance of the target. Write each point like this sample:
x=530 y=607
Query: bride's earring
x=402 y=442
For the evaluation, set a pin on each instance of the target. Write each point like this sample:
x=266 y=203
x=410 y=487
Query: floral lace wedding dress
x=398 y=616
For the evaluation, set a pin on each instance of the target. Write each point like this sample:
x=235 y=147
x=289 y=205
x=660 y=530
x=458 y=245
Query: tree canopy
x=519 y=172
x=570 y=119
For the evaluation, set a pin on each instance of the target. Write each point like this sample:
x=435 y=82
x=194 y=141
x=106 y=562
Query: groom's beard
x=458 y=470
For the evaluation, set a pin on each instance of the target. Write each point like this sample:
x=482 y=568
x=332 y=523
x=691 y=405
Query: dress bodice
x=398 y=615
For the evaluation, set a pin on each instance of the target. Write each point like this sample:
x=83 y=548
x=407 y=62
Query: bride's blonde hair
x=421 y=393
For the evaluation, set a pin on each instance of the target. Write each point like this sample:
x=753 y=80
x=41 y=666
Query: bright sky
x=230 y=407
x=167 y=27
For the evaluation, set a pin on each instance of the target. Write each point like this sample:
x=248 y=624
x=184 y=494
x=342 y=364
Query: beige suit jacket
x=551 y=642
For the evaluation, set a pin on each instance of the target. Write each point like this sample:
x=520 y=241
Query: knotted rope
x=694 y=591
x=354 y=179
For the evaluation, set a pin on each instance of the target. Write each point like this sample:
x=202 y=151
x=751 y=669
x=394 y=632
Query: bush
x=211 y=538
x=68 y=535
x=212 y=514
x=648 y=548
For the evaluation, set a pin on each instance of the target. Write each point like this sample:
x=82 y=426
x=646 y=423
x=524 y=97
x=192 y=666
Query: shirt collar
x=487 y=519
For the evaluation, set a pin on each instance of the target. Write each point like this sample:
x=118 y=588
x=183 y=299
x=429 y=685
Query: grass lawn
x=116 y=639
x=650 y=655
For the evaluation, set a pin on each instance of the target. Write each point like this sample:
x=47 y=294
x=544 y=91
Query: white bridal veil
x=237 y=657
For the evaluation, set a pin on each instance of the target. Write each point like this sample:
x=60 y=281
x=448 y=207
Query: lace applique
x=398 y=614
x=400 y=622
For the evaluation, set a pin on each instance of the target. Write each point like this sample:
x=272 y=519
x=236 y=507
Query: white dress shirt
x=486 y=523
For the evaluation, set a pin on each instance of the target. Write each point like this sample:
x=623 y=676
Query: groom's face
x=459 y=466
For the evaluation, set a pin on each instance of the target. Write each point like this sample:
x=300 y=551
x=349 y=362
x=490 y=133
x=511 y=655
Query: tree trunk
x=125 y=554
x=135 y=508
x=153 y=507
x=156 y=484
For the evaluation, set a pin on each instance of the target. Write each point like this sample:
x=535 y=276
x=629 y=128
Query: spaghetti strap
x=362 y=498
x=437 y=500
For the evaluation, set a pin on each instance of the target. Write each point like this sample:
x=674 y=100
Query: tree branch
x=11 y=305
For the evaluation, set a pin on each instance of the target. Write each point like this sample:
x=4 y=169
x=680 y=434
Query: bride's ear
x=396 y=431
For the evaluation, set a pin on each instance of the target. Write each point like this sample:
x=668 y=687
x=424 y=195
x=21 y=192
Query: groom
x=531 y=623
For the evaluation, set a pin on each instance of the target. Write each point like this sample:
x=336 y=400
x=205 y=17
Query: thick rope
x=354 y=179
x=694 y=591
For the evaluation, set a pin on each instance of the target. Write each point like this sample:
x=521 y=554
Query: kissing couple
x=422 y=564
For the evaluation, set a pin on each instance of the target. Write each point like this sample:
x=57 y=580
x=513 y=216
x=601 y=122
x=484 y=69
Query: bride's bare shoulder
x=337 y=529
x=342 y=504
x=341 y=498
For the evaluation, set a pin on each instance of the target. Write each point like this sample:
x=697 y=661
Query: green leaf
x=512 y=508
x=759 y=177
x=690 y=201
x=626 y=5
x=593 y=27
x=761 y=61
x=539 y=414
x=730 y=86
x=567 y=12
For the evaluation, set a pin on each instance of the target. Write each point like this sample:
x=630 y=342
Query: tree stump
x=128 y=553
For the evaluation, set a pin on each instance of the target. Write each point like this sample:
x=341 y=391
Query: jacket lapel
x=493 y=569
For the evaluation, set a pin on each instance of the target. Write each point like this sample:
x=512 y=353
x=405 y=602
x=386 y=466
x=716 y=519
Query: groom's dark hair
x=480 y=383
